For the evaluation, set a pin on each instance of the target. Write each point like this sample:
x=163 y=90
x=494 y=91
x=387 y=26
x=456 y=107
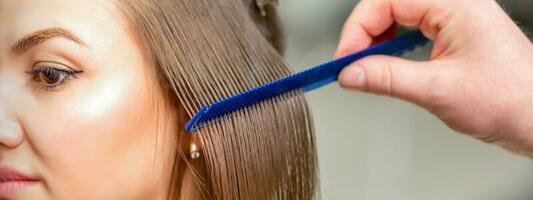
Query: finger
x=392 y=76
x=371 y=18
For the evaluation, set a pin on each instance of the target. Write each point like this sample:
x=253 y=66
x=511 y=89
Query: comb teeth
x=307 y=80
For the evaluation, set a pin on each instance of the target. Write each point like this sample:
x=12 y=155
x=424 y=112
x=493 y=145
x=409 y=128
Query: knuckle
x=379 y=75
x=386 y=80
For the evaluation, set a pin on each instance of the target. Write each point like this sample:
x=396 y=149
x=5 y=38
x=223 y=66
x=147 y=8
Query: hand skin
x=479 y=80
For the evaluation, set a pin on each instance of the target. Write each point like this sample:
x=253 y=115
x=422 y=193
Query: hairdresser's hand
x=479 y=80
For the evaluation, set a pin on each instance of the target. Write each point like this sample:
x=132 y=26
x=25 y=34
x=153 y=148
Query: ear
x=188 y=173
x=193 y=184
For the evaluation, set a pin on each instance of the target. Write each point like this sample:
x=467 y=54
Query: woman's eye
x=50 y=77
x=53 y=76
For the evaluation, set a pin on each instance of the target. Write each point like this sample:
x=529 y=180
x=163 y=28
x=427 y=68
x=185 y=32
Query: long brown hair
x=205 y=50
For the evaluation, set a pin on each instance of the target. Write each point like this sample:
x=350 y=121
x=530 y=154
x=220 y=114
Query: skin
x=100 y=135
x=478 y=80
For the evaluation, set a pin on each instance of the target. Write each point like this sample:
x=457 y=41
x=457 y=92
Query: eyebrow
x=41 y=36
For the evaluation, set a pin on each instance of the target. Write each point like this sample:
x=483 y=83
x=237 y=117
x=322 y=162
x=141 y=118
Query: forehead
x=89 y=19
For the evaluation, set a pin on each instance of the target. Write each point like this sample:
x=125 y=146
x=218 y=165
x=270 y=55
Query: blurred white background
x=375 y=148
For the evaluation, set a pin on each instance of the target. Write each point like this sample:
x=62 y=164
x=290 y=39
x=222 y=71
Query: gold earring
x=194 y=149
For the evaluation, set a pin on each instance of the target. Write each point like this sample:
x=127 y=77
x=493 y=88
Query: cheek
x=102 y=117
x=104 y=130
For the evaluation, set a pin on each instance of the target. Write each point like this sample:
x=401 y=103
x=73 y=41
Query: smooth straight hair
x=205 y=50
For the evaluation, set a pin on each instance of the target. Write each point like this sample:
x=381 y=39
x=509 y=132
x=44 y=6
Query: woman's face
x=81 y=114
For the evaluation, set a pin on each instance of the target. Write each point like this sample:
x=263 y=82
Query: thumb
x=392 y=76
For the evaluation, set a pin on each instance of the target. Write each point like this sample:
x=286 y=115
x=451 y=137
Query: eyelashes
x=52 y=76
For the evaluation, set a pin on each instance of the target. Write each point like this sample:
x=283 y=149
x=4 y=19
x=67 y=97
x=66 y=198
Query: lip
x=13 y=182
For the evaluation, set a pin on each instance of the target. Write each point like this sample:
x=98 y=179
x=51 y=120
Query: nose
x=11 y=133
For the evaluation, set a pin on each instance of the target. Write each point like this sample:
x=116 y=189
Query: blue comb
x=307 y=80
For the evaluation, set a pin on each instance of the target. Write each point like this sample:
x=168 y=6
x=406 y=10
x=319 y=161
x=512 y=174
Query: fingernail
x=353 y=77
